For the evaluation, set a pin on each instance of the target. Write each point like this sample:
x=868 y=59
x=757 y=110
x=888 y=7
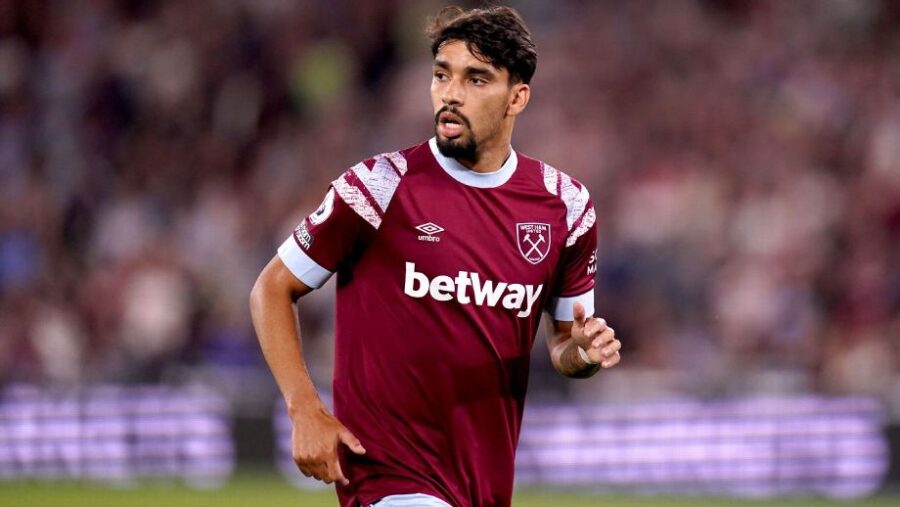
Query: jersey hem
x=410 y=500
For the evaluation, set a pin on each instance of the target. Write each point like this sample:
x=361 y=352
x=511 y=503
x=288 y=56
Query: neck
x=491 y=155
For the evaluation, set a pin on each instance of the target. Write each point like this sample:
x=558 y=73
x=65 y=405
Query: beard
x=462 y=147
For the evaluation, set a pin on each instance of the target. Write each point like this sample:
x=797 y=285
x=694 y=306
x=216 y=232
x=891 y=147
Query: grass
x=269 y=490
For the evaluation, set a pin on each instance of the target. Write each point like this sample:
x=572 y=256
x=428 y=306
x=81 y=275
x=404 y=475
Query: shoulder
x=571 y=193
x=369 y=186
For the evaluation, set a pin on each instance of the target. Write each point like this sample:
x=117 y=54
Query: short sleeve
x=577 y=267
x=324 y=241
x=353 y=208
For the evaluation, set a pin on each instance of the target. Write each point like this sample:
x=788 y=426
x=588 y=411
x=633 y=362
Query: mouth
x=449 y=125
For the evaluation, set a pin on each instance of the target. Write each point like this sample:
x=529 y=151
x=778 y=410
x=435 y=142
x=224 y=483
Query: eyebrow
x=470 y=70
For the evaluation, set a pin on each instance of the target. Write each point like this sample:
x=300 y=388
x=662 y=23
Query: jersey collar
x=472 y=178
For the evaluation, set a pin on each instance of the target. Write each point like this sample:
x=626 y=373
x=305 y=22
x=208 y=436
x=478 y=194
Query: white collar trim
x=472 y=178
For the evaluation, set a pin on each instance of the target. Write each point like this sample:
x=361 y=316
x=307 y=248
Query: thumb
x=350 y=440
x=578 y=311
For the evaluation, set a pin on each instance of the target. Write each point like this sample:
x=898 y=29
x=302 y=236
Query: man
x=446 y=253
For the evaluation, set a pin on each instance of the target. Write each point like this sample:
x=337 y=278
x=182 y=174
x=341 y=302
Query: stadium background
x=743 y=156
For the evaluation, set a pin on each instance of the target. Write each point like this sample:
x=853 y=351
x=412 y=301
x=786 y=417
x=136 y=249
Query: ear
x=519 y=94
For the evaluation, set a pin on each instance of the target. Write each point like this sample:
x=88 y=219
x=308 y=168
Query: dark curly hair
x=496 y=35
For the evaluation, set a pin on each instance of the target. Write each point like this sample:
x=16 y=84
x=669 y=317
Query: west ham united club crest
x=534 y=241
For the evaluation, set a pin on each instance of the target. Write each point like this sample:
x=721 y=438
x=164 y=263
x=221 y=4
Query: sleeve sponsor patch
x=324 y=211
x=302 y=235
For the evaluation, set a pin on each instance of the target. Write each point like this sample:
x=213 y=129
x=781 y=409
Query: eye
x=477 y=81
x=440 y=76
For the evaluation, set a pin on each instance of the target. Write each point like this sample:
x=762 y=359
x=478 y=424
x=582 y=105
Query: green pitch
x=269 y=490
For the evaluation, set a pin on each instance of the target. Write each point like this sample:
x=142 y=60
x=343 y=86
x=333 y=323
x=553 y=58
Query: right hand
x=315 y=437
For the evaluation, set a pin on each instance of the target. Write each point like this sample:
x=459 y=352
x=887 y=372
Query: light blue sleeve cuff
x=561 y=308
x=301 y=265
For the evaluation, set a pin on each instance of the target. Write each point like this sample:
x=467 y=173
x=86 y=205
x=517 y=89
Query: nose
x=454 y=94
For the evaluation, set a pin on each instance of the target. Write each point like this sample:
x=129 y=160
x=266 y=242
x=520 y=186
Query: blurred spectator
x=744 y=158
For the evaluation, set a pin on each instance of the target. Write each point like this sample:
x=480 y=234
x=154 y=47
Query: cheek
x=435 y=96
x=437 y=91
x=491 y=115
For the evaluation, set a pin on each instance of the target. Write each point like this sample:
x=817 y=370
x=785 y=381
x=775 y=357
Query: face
x=471 y=101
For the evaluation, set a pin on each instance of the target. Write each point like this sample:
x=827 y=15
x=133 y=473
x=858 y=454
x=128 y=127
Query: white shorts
x=411 y=500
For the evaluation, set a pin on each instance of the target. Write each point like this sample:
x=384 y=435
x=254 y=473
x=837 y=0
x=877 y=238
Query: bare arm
x=316 y=433
x=271 y=306
x=593 y=335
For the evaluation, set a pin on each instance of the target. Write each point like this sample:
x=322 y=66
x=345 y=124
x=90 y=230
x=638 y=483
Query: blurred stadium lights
x=762 y=448
x=115 y=435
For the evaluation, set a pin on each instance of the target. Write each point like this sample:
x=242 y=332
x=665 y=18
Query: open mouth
x=450 y=125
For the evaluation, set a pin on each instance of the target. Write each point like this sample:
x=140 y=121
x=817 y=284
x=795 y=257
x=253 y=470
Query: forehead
x=456 y=54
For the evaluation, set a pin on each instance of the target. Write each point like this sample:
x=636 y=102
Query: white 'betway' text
x=511 y=296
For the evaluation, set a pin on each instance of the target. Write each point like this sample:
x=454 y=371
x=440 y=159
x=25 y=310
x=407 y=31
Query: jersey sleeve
x=338 y=230
x=575 y=282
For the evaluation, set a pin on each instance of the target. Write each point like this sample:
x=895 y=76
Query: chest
x=506 y=234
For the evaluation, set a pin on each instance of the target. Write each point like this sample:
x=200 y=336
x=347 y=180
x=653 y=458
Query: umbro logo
x=430 y=229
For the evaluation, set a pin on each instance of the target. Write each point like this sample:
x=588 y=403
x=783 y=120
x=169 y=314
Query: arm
x=593 y=335
x=316 y=433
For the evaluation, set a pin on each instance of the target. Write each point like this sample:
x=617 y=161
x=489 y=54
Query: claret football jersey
x=442 y=276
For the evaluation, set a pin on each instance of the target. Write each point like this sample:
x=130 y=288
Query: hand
x=596 y=338
x=314 y=443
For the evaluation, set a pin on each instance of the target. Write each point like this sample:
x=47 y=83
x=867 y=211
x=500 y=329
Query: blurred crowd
x=743 y=157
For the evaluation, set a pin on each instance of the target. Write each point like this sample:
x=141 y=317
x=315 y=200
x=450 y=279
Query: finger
x=350 y=440
x=335 y=473
x=610 y=350
x=579 y=313
x=312 y=470
x=594 y=327
x=302 y=463
x=612 y=361
x=323 y=473
x=604 y=338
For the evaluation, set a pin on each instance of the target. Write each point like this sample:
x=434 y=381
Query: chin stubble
x=463 y=149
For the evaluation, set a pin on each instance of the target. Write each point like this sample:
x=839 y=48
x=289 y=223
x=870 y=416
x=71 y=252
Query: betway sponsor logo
x=468 y=288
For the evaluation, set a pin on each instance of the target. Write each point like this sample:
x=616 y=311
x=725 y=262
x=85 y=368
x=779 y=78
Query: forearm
x=568 y=361
x=275 y=325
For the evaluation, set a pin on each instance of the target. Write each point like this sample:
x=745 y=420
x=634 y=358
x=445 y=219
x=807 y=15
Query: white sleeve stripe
x=301 y=265
x=586 y=223
x=575 y=198
x=561 y=308
x=381 y=180
x=398 y=160
x=357 y=201
x=551 y=177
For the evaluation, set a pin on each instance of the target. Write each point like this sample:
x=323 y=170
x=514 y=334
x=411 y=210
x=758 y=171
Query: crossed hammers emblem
x=534 y=244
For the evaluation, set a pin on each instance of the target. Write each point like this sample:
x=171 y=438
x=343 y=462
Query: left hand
x=596 y=338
